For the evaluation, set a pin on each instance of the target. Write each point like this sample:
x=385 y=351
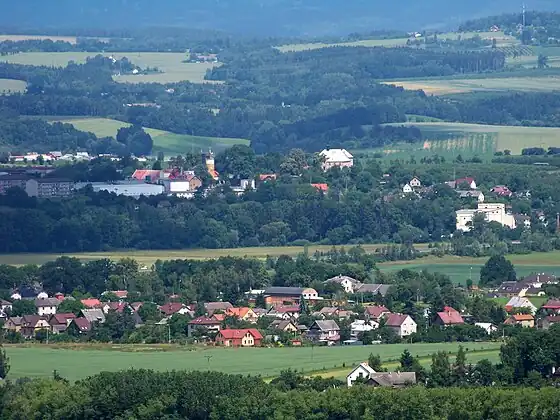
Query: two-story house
x=401 y=324
x=326 y=331
x=47 y=306
x=249 y=337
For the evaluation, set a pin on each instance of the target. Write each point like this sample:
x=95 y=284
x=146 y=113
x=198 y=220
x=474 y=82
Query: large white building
x=493 y=212
x=133 y=189
x=336 y=157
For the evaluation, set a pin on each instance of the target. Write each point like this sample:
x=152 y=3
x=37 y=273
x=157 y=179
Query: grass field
x=149 y=257
x=451 y=86
x=501 y=39
x=12 y=86
x=40 y=361
x=54 y=38
x=459 y=268
x=174 y=70
x=164 y=141
x=451 y=139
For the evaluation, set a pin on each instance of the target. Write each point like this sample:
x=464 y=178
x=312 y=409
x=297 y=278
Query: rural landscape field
x=164 y=141
x=171 y=65
x=40 y=361
x=8 y=86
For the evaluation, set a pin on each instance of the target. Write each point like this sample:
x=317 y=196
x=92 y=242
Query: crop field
x=452 y=139
x=459 y=268
x=16 y=38
x=531 y=60
x=12 y=86
x=453 y=86
x=164 y=141
x=149 y=257
x=171 y=64
x=74 y=364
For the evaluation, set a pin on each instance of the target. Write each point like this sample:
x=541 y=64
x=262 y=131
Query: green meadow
x=171 y=64
x=12 y=86
x=451 y=139
x=79 y=363
x=164 y=141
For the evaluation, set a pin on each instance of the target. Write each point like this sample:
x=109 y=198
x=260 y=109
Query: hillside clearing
x=40 y=361
x=164 y=141
x=171 y=64
x=12 y=86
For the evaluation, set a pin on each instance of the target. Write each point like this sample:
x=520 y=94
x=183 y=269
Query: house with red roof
x=249 y=337
x=469 y=181
x=552 y=305
x=321 y=187
x=401 y=324
x=243 y=313
x=525 y=320
x=448 y=316
x=267 y=177
x=149 y=175
x=79 y=326
x=375 y=313
x=91 y=303
x=501 y=190
x=204 y=324
x=59 y=322
x=118 y=307
x=547 y=321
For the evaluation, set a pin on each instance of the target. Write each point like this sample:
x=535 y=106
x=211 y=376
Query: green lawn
x=451 y=139
x=40 y=361
x=174 y=70
x=459 y=268
x=164 y=141
x=149 y=257
x=12 y=86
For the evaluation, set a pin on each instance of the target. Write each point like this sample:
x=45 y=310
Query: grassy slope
x=450 y=139
x=163 y=140
x=149 y=257
x=174 y=70
x=11 y=85
x=40 y=361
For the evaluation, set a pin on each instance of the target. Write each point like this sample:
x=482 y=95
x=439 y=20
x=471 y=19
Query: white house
x=407 y=189
x=471 y=194
x=401 y=324
x=415 y=183
x=493 y=212
x=336 y=157
x=521 y=302
x=360 y=326
x=487 y=326
x=349 y=284
x=363 y=370
x=46 y=306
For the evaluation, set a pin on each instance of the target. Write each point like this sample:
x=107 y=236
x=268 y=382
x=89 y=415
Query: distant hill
x=256 y=17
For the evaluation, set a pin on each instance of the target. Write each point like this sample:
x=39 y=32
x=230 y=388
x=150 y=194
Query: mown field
x=489 y=84
x=12 y=86
x=174 y=70
x=501 y=38
x=459 y=268
x=451 y=139
x=40 y=361
x=149 y=257
x=164 y=141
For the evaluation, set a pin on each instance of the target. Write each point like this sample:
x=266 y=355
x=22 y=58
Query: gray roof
x=374 y=288
x=46 y=302
x=94 y=315
x=217 y=306
x=326 y=325
x=392 y=379
x=280 y=324
x=340 y=278
x=284 y=291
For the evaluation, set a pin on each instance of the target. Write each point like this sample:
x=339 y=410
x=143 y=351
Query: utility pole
x=168 y=334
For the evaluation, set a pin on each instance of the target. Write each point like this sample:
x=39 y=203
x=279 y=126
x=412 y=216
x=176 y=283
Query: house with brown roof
x=401 y=324
x=349 y=284
x=284 y=312
x=249 y=337
x=46 y=306
x=118 y=307
x=448 y=316
x=93 y=315
x=326 y=331
x=59 y=322
x=391 y=379
x=172 y=308
x=13 y=324
x=526 y=321
x=375 y=312
x=203 y=325
x=546 y=322
x=212 y=307
x=282 y=325
x=79 y=326
x=32 y=324
x=244 y=314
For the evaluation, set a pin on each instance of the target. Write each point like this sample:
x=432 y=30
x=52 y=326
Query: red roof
x=116 y=306
x=91 y=303
x=238 y=334
x=395 y=320
x=321 y=187
x=204 y=320
x=552 y=304
x=171 y=308
x=523 y=317
x=265 y=177
x=120 y=293
x=376 y=311
x=142 y=174
x=62 y=318
x=467 y=180
x=450 y=317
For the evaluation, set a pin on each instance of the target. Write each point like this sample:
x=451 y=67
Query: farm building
x=336 y=157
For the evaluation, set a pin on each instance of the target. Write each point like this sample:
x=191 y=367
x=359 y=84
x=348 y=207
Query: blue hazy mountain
x=257 y=17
